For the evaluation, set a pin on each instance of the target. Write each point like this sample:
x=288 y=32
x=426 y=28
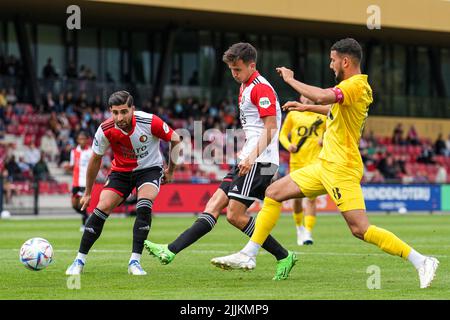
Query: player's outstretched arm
x=91 y=174
x=316 y=94
x=297 y=106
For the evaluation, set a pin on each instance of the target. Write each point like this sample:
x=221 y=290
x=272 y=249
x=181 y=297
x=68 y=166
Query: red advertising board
x=192 y=198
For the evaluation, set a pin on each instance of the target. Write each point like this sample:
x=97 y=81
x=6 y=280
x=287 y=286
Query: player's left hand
x=244 y=166
x=168 y=176
x=294 y=106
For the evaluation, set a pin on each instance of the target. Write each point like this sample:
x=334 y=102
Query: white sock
x=135 y=256
x=251 y=249
x=300 y=228
x=81 y=256
x=416 y=258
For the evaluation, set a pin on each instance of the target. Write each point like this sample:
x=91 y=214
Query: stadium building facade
x=166 y=48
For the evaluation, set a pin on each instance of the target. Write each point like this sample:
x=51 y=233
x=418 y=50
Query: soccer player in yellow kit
x=301 y=135
x=340 y=169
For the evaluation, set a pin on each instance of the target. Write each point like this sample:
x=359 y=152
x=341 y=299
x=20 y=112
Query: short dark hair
x=348 y=46
x=83 y=133
x=119 y=98
x=242 y=50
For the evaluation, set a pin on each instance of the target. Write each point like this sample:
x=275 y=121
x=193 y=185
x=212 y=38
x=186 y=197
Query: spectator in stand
x=49 y=103
x=14 y=172
x=427 y=155
x=2 y=129
x=64 y=157
x=377 y=177
x=11 y=97
x=49 y=72
x=397 y=136
x=371 y=139
x=24 y=168
x=32 y=155
x=71 y=71
x=49 y=146
x=7 y=186
x=388 y=169
x=412 y=136
x=3 y=101
x=439 y=146
x=421 y=177
x=41 y=171
x=447 y=146
x=441 y=175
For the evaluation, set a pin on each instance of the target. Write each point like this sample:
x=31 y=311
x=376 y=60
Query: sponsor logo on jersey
x=264 y=102
x=143 y=138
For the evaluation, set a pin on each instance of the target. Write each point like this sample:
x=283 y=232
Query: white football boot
x=237 y=260
x=134 y=268
x=427 y=271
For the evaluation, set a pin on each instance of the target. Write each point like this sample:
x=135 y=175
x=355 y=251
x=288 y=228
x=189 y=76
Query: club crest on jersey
x=264 y=102
x=165 y=128
x=143 y=138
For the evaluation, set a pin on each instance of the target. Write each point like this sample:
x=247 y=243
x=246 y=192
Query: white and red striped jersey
x=79 y=159
x=258 y=99
x=137 y=149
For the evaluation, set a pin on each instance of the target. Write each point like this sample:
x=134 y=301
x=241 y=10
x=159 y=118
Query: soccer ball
x=36 y=254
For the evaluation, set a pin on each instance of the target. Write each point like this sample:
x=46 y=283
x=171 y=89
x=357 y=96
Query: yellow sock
x=387 y=241
x=310 y=222
x=266 y=220
x=298 y=218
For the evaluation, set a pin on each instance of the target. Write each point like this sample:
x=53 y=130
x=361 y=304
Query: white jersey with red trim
x=137 y=149
x=79 y=159
x=258 y=99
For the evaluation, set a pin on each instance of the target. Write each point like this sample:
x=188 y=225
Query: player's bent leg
x=388 y=242
x=204 y=224
x=93 y=229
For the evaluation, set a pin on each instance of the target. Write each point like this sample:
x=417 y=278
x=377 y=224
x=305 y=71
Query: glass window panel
x=88 y=50
x=50 y=45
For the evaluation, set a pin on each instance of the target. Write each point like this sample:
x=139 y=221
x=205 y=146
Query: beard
x=339 y=76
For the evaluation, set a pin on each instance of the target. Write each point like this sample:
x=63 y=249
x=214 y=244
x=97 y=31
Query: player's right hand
x=285 y=73
x=294 y=106
x=84 y=201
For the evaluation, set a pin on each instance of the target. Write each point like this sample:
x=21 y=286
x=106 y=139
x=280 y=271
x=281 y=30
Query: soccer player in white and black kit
x=260 y=117
x=134 y=138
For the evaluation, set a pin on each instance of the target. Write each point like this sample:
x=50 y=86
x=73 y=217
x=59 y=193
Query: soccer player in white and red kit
x=260 y=117
x=79 y=159
x=134 y=138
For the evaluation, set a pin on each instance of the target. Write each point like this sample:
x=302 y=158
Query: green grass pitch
x=335 y=267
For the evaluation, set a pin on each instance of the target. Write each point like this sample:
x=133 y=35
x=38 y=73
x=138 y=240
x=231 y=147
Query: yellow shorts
x=341 y=183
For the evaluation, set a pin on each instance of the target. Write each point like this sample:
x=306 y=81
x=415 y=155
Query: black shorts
x=78 y=191
x=123 y=183
x=252 y=186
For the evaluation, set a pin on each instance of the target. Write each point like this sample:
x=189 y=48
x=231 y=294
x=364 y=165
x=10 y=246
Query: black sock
x=142 y=224
x=92 y=230
x=204 y=224
x=271 y=245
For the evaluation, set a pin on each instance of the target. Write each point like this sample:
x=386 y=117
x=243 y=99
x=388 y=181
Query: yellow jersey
x=303 y=129
x=345 y=122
